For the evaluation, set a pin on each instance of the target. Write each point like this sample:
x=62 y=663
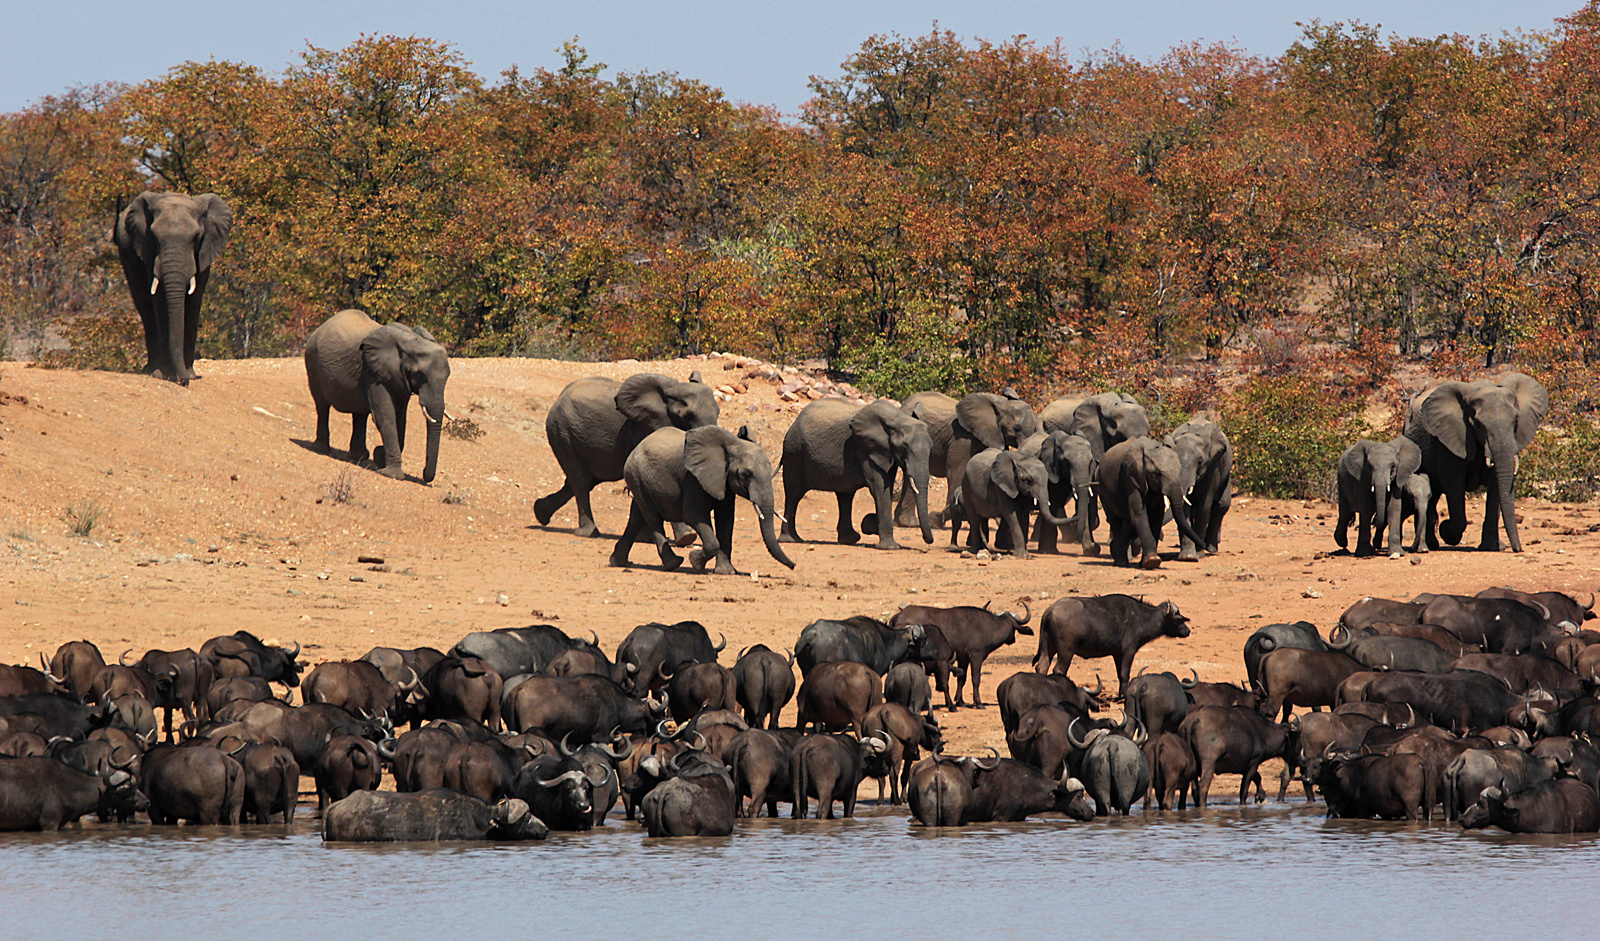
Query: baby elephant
x=1374 y=476
x=692 y=477
x=1004 y=485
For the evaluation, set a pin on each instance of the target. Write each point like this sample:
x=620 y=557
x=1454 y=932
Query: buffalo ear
x=1442 y=414
x=705 y=457
x=1532 y=402
x=870 y=428
x=1004 y=474
x=642 y=399
x=978 y=414
x=216 y=221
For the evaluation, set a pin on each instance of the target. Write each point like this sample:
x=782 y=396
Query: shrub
x=925 y=354
x=1287 y=433
x=82 y=518
x=1562 y=465
x=341 y=489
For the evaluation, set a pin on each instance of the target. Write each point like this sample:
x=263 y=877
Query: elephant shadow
x=343 y=457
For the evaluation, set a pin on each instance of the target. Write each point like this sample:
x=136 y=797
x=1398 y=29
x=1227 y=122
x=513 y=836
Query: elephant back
x=334 y=361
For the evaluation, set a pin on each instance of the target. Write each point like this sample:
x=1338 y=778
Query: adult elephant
x=356 y=366
x=1470 y=434
x=938 y=412
x=597 y=422
x=1103 y=420
x=1206 y=458
x=692 y=477
x=1004 y=485
x=1134 y=478
x=838 y=447
x=167 y=242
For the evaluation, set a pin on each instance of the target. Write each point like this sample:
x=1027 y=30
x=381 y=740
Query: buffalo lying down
x=434 y=815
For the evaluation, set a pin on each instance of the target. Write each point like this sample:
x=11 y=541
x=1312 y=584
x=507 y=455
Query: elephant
x=982 y=420
x=1470 y=434
x=597 y=422
x=1071 y=466
x=1372 y=477
x=1206 y=457
x=1103 y=420
x=167 y=242
x=836 y=446
x=1133 y=479
x=998 y=484
x=357 y=366
x=938 y=412
x=692 y=477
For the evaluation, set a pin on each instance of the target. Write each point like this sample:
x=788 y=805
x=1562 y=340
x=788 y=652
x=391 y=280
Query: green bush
x=1562 y=465
x=924 y=354
x=1287 y=433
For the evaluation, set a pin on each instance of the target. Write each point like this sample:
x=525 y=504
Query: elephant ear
x=1408 y=458
x=1442 y=413
x=1052 y=454
x=423 y=332
x=1003 y=472
x=132 y=231
x=216 y=221
x=1532 y=402
x=978 y=414
x=380 y=354
x=705 y=457
x=870 y=427
x=642 y=399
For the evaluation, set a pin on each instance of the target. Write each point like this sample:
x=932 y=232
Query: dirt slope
x=219 y=517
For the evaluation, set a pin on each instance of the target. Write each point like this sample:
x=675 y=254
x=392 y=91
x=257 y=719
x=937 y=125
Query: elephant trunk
x=1505 y=475
x=1383 y=516
x=1041 y=497
x=761 y=498
x=175 y=269
x=1180 y=515
x=432 y=465
x=432 y=401
x=916 y=472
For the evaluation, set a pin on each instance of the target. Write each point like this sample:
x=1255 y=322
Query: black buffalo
x=44 y=794
x=515 y=650
x=858 y=639
x=652 y=652
x=1105 y=626
x=1563 y=805
x=433 y=816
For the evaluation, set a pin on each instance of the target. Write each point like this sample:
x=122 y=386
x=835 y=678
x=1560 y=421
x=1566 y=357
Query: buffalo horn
x=662 y=672
x=722 y=646
x=386 y=749
x=1339 y=637
x=1140 y=734
x=123 y=659
x=1191 y=684
x=661 y=731
x=992 y=762
x=605 y=777
x=1027 y=614
x=791 y=656
x=596 y=635
x=569 y=776
x=296 y=649
x=611 y=749
x=702 y=738
x=567 y=751
x=1141 y=671
x=1078 y=743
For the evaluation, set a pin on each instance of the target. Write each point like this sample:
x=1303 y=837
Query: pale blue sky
x=755 y=52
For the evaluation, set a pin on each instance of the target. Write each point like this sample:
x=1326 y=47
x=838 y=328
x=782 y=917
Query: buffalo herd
x=1481 y=709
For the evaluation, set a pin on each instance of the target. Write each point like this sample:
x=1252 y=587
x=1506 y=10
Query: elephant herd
x=1000 y=459
x=1002 y=464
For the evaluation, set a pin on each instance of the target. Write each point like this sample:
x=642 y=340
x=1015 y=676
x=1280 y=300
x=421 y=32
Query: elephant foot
x=1092 y=548
x=393 y=473
x=787 y=536
x=1397 y=554
x=617 y=561
x=380 y=456
x=1150 y=562
x=1491 y=546
x=683 y=535
x=1363 y=551
x=885 y=542
x=670 y=560
x=1020 y=553
x=543 y=509
x=587 y=529
x=698 y=559
x=1189 y=555
x=849 y=537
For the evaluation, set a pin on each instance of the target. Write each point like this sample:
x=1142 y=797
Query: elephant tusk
x=912 y=483
x=155 y=285
x=779 y=517
x=191 y=285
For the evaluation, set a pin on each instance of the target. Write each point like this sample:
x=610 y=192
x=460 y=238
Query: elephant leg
x=388 y=418
x=1013 y=518
x=547 y=505
x=586 y=524
x=793 y=490
x=358 y=438
x=1220 y=505
x=191 y=320
x=1364 y=529
x=1490 y=541
x=630 y=534
x=1146 y=517
x=1452 y=529
x=711 y=547
x=847 y=532
x=650 y=520
x=881 y=486
x=1119 y=540
x=1045 y=534
x=324 y=433
x=1342 y=525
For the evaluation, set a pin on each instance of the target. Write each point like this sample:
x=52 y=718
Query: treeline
x=950 y=214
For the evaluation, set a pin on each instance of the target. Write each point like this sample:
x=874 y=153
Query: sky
x=756 y=52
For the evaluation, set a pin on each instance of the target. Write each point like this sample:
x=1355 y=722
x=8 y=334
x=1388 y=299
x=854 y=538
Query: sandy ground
x=218 y=516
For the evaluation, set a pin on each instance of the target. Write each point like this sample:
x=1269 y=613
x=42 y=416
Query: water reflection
x=1219 y=873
